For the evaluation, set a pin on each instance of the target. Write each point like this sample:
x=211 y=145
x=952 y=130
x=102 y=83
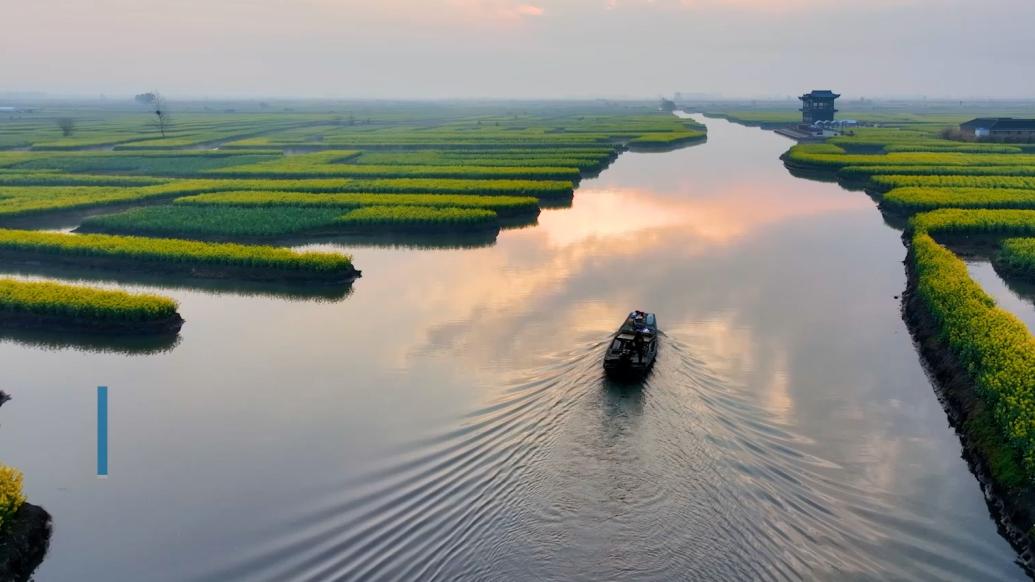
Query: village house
x=999 y=129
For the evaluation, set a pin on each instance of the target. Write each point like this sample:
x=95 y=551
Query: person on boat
x=639 y=344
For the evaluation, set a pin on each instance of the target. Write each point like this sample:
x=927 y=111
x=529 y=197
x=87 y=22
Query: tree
x=66 y=125
x=156 y=103
x=161 y=113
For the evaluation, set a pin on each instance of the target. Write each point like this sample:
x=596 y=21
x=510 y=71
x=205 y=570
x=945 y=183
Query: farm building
x=999 y=129
x=818 y=106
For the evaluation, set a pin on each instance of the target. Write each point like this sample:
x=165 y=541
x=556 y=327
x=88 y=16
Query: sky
x=416 y=49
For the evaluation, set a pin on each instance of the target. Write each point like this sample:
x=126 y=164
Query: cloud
x=480 y=11
x=529 y=10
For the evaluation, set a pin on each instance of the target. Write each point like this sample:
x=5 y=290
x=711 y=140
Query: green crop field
x=418 y=217
x=286 y=175
x=153 y=165
x=224 y=223
x=84 y=306
x=991 y=181
x=288 y=169
x=229 y=222
x=535 y=188
x=917 y=199
x=957 y=221
x=869 y=172
x=1017 y=255
x=819 y=156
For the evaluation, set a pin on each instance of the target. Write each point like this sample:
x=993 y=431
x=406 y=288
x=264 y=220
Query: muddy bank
x=1011 y=501
x=23 y=543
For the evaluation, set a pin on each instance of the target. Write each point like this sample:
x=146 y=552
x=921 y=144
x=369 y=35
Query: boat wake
x=564 y=474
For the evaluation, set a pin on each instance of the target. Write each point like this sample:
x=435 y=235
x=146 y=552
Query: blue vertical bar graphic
x=102 y=431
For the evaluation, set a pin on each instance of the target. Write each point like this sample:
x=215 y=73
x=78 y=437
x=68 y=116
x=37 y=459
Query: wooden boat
x=634 y=347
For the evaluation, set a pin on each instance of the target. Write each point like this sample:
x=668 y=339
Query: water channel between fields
x=449 y=420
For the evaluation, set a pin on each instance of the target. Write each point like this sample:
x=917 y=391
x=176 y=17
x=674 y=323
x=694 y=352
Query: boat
x=634 y=347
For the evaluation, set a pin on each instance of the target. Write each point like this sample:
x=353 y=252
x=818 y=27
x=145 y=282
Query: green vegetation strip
x=536 y=188
x=50 y=178
x=82 y=306
x=171 y=165
x=950 y=146
x=32 y=200
x=583 y=162
x=863 y=172
x=228 y=222
x=213 y=222
x=174 y=254
x=995 y=181
x=821 y=156
x=667 y=139
x=16 y=201
x=963 y=222
x=912 y=199
x=1017 y=256
x=502 y=205
x=990 y=343
x=300 y=170
x=419 y=217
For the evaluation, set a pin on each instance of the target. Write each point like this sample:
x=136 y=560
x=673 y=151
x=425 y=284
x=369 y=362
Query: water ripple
x=564 y=474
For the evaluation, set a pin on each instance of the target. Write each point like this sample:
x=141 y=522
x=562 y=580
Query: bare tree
x=66 y=125
x=156 y=103
x=161 y=112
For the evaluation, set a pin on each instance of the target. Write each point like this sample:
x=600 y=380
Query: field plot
x=42 y=305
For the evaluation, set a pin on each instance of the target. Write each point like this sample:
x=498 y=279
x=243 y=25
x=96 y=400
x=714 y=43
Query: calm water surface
x=449 y=420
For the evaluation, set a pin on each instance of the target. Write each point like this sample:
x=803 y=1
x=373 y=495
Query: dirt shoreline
x=24 y=543
x=1012 y=507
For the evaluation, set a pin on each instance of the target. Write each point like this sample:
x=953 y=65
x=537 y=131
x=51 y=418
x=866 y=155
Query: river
x=449 y=420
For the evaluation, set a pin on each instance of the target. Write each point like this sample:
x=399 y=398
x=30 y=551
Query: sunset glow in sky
x=519 y=48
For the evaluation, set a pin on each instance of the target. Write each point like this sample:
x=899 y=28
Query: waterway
x=449 y=418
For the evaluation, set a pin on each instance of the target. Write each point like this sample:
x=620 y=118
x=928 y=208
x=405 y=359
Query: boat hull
x=628 y=370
